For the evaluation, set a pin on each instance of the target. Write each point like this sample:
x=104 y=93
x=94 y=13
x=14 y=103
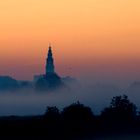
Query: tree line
x=75 y=120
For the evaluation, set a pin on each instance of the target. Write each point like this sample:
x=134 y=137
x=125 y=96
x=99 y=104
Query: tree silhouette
x=120 y=110
x=77 y=113
x=52 y=115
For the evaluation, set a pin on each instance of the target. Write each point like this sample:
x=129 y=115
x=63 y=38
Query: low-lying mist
x=30 y=102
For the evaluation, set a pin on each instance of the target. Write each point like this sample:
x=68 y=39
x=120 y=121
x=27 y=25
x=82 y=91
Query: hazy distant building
x=7 y=83
x=37 y=77
x=25 y=84
x=50 y=80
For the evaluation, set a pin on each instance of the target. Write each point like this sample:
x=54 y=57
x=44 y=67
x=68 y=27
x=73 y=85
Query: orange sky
x=94 y=36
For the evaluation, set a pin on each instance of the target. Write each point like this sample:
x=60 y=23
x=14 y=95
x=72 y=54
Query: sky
x=96 y=39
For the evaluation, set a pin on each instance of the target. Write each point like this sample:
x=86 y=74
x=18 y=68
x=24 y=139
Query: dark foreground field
x=37 y=128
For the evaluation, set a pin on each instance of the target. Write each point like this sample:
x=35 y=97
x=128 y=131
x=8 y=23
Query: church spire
x=50 y=62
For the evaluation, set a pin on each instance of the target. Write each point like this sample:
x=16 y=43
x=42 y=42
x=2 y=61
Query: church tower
x=50 y=62
x=50 y=80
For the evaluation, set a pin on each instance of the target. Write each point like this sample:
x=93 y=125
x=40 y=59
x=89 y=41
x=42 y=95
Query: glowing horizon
x=101 y=38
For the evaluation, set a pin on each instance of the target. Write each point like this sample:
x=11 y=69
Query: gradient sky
x=98 y=37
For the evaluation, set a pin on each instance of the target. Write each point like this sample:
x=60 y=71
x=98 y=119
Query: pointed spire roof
x=50 y=46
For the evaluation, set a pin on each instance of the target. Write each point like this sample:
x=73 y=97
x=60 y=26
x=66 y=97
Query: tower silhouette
x=50 y=62
x=50 y=80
